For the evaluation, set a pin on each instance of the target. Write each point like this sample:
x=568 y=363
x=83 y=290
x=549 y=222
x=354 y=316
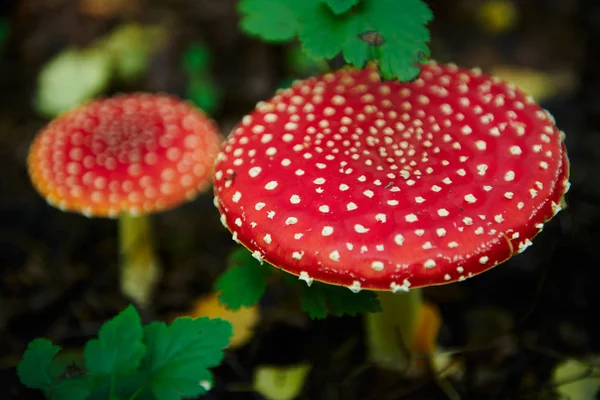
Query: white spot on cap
x=524 y=245
x=271 y=185
x=256 y=254
x=470 y=198
x=327 y=231
x=429 y=264
x=399 y=239
x=400 y=288
x=335 y=255
x=411 y=218
x=355 y=287
x=377 y=265
x=306 y=278
x=360 y=229
x=515 y=150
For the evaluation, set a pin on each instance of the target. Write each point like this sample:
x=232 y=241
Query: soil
x=506 y=329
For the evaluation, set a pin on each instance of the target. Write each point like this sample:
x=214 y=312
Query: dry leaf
x=243 y=320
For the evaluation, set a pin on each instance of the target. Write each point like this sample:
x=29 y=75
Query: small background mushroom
x=508 y=327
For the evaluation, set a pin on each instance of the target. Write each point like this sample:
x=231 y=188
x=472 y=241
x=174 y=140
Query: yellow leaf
x=539 y=85
x=280 y=382
x=428 y=328
x=498 y=16
x=243 y=320
x=577 y=380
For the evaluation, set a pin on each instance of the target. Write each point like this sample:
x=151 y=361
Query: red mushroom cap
x=385 y=185
x=136 y=153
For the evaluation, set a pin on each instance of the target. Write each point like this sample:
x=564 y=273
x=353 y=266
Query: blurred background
x=506 y=332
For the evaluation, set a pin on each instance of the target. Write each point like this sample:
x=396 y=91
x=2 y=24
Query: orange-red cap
x=135 y=153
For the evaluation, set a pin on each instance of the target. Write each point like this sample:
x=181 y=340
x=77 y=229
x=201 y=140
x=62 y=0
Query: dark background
x=509 y=327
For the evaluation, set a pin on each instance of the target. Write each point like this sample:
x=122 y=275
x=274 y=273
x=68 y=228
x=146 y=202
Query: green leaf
x=341 y=6
x=72 y=77
x=203 y=93
x=245 y=282
x=34 y=368
x=179 y=355
x=320 y=299
x=71 y=389
x=323 y=34
x=314 y=303
x=119 y=348
x=67 y=363
x=272 y=20
x=402 y=25
x=196 y=58
x=327 y=28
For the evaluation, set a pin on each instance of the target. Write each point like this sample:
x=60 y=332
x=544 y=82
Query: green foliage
x=201 y=89
x=72 y=77
x=321 y=299
x=75 y=76
x=272 y=20
x=119 y=348
x=341 y=6
x=179 y=355
x=392 y=32
x=131 y=361
x=34 y=368
x=245 y=282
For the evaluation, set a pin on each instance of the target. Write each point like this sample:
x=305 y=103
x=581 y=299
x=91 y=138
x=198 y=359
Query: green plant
x=131 y=361
x=390 y=32
x=245 y=282
x=201 y=89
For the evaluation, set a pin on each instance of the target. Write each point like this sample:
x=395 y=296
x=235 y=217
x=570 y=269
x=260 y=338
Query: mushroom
x=126 y=157
x=391 y=186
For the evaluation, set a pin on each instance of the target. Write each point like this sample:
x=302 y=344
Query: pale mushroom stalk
x=391 y=332
x=139 y=266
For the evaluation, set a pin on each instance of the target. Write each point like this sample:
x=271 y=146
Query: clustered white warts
x=332 y=150
x=110 y=154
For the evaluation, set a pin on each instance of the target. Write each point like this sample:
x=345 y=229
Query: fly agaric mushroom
x=391 y=186
x=126 y=157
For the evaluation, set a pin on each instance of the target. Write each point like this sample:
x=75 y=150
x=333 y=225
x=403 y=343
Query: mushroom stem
x=391 y=332
x=140 y=269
